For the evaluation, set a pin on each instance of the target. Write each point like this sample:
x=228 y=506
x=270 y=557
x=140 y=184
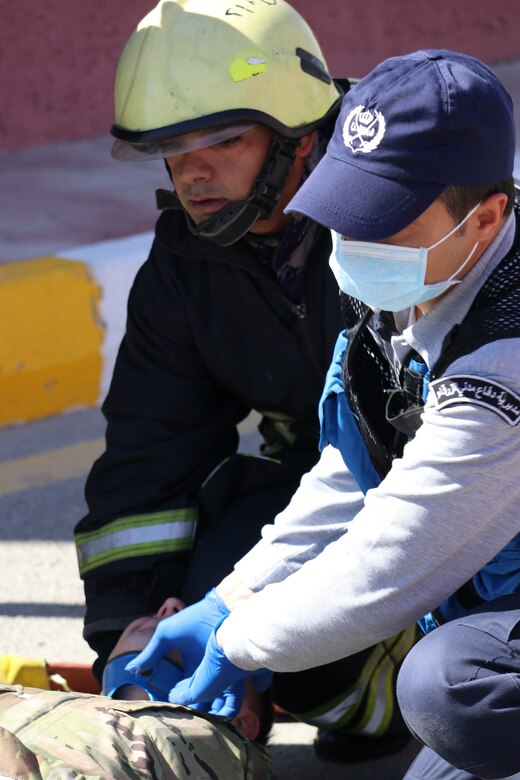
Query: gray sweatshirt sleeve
x=301 y=532
x=444 y=510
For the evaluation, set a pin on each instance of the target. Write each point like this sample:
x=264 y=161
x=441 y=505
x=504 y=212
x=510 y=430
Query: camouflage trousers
x=62 y=736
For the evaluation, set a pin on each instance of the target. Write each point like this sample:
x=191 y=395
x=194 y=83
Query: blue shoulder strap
x=338 y=424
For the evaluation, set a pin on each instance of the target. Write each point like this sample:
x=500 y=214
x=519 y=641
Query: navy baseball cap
x=411 y=127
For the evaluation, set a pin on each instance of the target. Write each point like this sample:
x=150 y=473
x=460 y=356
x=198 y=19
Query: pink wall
x=357 y=34
x=57 y=62
x=57 y=59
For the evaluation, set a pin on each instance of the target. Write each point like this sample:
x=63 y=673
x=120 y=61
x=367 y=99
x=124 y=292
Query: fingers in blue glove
x=228 y=705
x=182 y=694
x=148 y=657
x=217 y=680
x=187 y=631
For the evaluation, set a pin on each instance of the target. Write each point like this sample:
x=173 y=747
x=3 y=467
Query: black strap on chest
x=405 y=405
x=368 y=380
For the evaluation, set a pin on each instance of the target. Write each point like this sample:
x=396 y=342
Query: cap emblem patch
x=363 y=130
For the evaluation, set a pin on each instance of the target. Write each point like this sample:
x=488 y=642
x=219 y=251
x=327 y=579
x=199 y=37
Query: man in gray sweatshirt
x=413 y=511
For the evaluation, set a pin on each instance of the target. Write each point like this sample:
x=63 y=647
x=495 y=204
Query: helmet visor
x=132 y=151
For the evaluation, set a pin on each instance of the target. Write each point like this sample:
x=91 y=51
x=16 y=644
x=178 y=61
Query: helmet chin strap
x=232 y=222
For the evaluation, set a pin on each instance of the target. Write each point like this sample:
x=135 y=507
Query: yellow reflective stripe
x=377 y=677
x=137 y=521
x=380 y=704
x=332 y=716
x=342 y=708
x=133 y=551
x=129 y=537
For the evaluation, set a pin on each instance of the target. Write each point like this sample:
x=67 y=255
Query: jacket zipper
x=300 y=311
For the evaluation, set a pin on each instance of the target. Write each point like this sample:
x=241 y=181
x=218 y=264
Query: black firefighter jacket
x=210 y=336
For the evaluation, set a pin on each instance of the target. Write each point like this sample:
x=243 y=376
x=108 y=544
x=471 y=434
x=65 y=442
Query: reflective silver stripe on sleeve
x=370 y=701
x=130 y=537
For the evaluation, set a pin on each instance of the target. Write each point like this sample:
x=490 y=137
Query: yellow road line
x=50 y=467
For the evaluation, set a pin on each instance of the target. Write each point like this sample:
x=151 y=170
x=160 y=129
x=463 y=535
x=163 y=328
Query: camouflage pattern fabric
x=66 y=736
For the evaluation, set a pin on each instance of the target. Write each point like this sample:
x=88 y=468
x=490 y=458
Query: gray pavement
x=70 y=194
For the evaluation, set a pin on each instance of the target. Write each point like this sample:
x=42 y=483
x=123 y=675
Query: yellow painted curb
x=50 y=338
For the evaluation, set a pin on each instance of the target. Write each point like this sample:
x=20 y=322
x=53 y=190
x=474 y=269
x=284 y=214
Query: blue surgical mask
x=386 y=276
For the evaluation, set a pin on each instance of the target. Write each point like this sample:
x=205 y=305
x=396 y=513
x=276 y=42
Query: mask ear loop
x=454 y=230
x=453 y=278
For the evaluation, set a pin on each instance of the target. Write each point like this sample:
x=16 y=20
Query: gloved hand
x=218 y=681
x=187 y=631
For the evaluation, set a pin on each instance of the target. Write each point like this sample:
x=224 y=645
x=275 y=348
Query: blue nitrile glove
x=218 y=681
x=187 y=631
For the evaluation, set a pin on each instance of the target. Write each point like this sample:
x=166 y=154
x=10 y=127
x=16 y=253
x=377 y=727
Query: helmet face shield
x=131 y=151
